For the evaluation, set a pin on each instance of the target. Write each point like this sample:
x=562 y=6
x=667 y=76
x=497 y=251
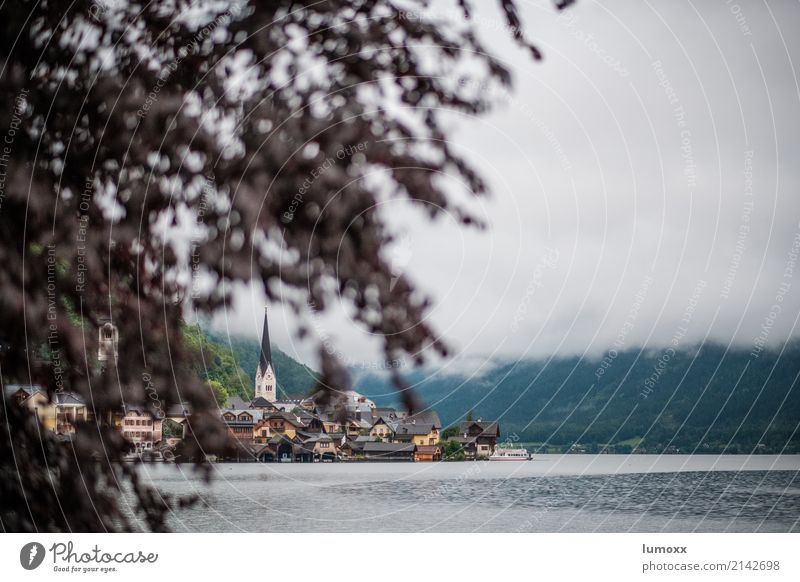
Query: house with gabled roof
x=58 y=412
x=21 y=392
x=262 y=404
x=417 y=433
x=383 y=428
x=477 y=438
x=353 y=448
x=70 y=410
x=421 y=428
x=240 y=422
x=283 y=423
x=428 y=453
x=140 y=427
x=311 y=422
x=323 y=446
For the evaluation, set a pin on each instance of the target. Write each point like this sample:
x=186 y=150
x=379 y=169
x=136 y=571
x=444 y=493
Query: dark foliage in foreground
x=124 y=124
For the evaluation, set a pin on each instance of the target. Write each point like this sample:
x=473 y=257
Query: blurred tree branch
x=131 y=127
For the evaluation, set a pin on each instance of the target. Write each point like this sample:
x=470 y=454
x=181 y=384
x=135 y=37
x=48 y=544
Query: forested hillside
x=229 y=363
x=704 y=399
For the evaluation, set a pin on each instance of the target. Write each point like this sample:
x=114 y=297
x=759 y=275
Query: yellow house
x=419 y=434
x=39 y=404
x=277 y=423
x=421 y=428
x=382 y=429
x=57 y=415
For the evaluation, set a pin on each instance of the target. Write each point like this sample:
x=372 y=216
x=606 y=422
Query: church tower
x=107 y=342
x=265 y=374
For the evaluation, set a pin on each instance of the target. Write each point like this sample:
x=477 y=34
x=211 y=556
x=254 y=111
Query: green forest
x=228 y=365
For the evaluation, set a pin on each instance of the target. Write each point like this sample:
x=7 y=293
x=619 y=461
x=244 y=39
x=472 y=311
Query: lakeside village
x=297 y=429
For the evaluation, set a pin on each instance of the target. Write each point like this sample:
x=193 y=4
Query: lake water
x=575 y=493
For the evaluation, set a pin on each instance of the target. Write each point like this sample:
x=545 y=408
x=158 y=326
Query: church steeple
x=266 y=348
x=265 y=374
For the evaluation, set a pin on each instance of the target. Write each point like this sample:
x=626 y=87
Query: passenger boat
x=510 y=455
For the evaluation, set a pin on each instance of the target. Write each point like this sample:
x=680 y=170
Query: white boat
x=510 y=455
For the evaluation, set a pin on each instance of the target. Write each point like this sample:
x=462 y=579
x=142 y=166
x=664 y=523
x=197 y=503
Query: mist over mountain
x=704 y=399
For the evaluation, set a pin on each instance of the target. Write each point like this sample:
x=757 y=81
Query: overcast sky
x=645 y=191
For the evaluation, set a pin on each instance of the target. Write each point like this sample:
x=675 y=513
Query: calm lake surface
x=575 y=493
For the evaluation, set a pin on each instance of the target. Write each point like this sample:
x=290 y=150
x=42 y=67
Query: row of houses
x=266 y=431
x=63 y=411
x=291 y=428
x=302 y=429
x=335 y=431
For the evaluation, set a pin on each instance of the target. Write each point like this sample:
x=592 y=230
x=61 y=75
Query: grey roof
x=287 y=416
x=285 y=404
x=261 y=402
x=236 y=412
x=316 y=438
x=11 y=389
x=379 y=411
x=412 y=429
x=181 y=409
x=69 y=399
x=354 y=445
x=487 y=428
x=307 y=417
x=234 y=402
x=425 y=417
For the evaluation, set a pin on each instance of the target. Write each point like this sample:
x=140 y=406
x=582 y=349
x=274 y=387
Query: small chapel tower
x=265 y=373
x=107 y=341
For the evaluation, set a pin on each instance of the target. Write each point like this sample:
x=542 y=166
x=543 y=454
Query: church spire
x=266 y=382
x=266 y=349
